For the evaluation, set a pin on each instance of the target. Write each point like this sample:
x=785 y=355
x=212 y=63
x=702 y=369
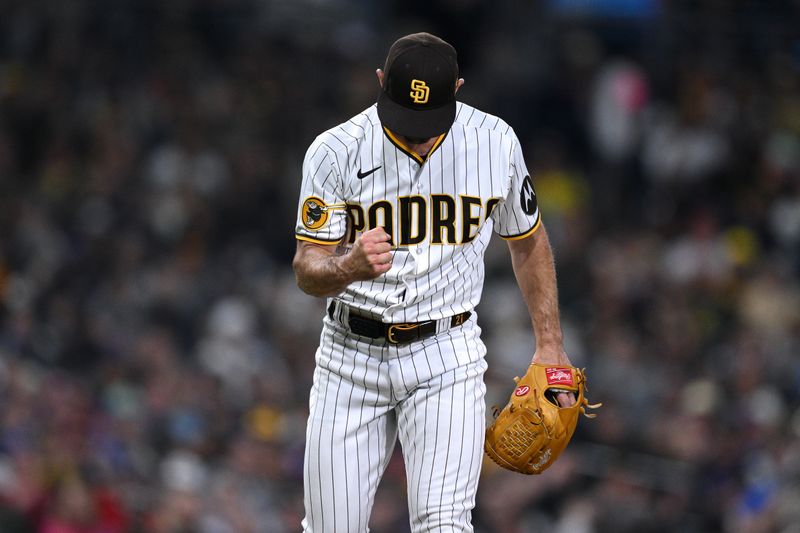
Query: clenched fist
x=370 y=255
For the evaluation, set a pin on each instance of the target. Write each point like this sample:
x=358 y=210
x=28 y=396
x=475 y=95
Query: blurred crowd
x=156 y=355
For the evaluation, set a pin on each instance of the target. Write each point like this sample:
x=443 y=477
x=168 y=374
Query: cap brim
x=419 y=123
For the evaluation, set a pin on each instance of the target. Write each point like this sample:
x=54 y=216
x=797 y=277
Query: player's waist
x=394 y=333
x=405 y=295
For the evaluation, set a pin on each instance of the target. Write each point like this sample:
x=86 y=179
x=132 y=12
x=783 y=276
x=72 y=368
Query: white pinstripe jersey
x=440 y=211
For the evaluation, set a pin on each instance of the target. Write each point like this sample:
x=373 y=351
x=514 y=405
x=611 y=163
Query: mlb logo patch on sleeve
x=559 y=376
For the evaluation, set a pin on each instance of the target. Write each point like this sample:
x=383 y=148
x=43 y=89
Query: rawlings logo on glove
x=533 y=429
x=558 y=376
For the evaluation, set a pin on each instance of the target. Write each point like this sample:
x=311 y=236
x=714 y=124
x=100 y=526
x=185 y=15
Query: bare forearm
x=533 y=264
x=319 y=273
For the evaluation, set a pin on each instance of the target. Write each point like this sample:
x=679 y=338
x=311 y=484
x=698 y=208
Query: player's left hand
x=531 y=431
x=555 y=357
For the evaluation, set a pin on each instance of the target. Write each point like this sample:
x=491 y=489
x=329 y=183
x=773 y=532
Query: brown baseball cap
x=418 y=95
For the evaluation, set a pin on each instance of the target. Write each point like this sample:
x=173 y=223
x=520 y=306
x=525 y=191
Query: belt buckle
x=390 y=333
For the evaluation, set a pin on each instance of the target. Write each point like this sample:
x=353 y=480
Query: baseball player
x=397 y=206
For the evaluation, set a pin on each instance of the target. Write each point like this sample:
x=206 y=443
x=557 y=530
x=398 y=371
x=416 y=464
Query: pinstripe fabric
x=429 y=392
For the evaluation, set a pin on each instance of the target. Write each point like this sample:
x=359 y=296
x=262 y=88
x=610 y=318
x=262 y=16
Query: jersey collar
x=408 y=151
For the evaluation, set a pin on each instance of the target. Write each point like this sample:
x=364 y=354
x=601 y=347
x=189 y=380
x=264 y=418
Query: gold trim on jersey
x=468 y=221
x=400 y=145
x=317 y=241
x=527 y=233
x=388 y=217
x=439 y=223
x=412 y=230
x=355 y=226
x=439 y=219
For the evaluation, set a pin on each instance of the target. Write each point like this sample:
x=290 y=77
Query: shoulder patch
x=315 y=213
x=527 y=196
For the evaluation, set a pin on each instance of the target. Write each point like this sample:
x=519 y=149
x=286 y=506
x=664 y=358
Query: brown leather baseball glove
x=533 y=429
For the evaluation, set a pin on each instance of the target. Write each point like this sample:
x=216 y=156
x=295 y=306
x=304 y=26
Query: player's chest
x=390 y=174
x=444 y=201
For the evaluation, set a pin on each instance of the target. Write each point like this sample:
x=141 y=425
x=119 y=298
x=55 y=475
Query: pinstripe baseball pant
x=365 y=394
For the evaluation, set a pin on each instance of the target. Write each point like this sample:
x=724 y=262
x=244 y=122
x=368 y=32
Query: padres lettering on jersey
x=414 y=219
x=439 y=212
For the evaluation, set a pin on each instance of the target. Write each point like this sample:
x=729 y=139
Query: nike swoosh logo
x=361 y=175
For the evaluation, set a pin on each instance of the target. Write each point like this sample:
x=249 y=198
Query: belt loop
x=344 y=313
x=339 y=312
x=336 y=310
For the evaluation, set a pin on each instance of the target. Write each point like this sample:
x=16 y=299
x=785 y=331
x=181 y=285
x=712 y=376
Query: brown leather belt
x=402 y=333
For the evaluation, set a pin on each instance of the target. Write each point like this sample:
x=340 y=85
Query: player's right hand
x=370 y=255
